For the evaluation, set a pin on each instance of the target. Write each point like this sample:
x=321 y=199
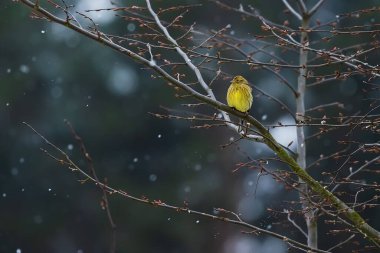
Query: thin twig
x=342 y=242
x=105 y=201
x=295 y=224
x=319 y=107
x=358 y=170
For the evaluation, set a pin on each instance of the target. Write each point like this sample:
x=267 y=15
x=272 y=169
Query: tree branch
x=105 y=200
x=295 y=224
x=342 y=242
x=292 y=10
x=310 y=216
x=302 y=6
x=376 y=159
x=315 y=7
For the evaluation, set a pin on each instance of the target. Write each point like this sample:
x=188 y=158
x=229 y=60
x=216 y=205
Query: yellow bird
x=239 y=96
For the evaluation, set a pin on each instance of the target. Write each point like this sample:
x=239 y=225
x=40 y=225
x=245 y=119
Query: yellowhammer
x=239 y=95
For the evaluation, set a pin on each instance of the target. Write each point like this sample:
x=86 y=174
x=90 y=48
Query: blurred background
x=49 y=73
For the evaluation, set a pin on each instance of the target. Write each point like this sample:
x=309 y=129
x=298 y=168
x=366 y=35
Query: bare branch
x=315 y=7
x=105 y=201
x=376 y=159
x=341 y=243
x=302 y=6
x=319 y=107
x=295 y=224
x=338 y=58
x=152 y=62
x=292 y=10
x=255 y=13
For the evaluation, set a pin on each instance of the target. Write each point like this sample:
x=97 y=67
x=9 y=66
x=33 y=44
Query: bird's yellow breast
x=239 y=96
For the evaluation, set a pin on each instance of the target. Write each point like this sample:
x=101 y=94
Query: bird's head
x=239 y=80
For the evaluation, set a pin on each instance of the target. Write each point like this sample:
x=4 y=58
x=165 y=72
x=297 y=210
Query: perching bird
x=239 y=94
